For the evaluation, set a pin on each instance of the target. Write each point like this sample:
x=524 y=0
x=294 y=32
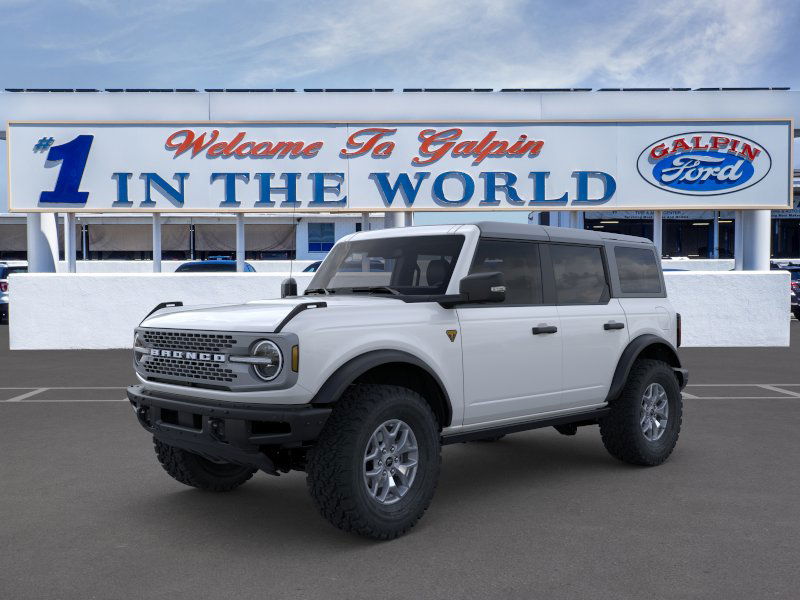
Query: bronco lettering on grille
x=204 y=356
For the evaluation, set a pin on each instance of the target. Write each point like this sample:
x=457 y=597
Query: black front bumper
x=235 y=432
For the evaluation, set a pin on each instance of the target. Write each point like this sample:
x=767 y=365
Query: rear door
x=593 y=325
x=511 y=351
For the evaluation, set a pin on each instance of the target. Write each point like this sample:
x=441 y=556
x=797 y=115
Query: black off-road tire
x=336 y=463
x=196 y=471
x=621 y=431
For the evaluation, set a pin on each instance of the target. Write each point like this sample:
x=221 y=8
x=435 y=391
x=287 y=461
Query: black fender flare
x=633 y=350
x=340 y=380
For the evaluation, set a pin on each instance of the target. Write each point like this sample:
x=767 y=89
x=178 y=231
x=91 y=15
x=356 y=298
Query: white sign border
x=568 y=208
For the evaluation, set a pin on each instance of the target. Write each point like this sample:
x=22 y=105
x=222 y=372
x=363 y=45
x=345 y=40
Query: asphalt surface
x=87 y=511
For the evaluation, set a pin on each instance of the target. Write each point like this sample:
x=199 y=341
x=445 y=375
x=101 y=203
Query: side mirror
x=483 y=287
x=288 y=287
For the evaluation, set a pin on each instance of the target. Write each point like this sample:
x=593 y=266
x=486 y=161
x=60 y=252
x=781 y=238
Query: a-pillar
x=756 y=239
x=42 y=234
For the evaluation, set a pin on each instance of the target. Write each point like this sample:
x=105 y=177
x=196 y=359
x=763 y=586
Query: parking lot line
x=63 y=400
x=80 y=387
x=27 y=394
x=776 y=388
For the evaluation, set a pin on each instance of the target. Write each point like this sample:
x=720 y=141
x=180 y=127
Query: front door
x=511 y=351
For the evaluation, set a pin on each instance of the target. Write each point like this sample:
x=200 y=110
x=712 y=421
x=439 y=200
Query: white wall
x=699 y=264
x=53 y=311
x=100 y=310
x=731 y=308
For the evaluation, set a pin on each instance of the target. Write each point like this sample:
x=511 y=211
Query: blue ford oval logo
x=704 y=163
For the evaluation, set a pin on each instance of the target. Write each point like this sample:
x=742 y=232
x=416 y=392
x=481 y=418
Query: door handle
x=612 y=325
x=544 y=329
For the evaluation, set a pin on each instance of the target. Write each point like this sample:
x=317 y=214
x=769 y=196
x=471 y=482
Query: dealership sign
x=363 y=167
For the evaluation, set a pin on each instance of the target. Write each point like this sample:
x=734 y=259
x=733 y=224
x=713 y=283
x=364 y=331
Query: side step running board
x=582 y=418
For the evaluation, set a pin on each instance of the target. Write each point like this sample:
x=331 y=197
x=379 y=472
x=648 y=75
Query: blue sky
x=447 y=43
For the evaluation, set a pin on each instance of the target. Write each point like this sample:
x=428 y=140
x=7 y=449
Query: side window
x=579 y=274
x=320 y=237
x=519 y=264
x=638 y=270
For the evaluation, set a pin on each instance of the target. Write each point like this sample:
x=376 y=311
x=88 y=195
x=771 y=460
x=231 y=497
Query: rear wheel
x=375 y=466
x=645 y=420
x=194 y=470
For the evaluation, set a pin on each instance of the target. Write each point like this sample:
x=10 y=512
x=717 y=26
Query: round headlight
x=138 y=343
x=269 y=368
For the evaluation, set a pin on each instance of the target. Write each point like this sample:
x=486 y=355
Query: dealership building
x=108 y=191
x=119 y=238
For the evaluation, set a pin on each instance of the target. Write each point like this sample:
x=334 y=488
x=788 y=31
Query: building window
x=320 y=237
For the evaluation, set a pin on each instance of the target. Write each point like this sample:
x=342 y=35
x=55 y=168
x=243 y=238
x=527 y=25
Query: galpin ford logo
x=704 y=163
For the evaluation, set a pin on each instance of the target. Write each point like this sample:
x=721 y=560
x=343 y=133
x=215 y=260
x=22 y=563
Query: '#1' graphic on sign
x=73 y=156
x=704 y=163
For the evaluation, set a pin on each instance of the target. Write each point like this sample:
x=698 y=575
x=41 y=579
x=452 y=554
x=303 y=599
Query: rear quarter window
x=579 y=273
x=638 y=270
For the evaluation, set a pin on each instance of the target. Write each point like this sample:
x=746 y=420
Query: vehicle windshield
x=417 y=265
x=795 y=274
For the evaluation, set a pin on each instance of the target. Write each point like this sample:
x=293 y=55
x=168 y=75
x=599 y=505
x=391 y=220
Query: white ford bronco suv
x=408 y=339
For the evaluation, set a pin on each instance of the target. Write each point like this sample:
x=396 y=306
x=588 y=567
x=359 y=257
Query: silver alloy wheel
x=390 y=461
x=654 y=412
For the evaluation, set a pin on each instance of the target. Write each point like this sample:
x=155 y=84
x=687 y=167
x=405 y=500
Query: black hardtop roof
x=554 y=234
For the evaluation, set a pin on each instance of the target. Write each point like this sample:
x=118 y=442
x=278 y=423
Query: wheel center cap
x=389 y=461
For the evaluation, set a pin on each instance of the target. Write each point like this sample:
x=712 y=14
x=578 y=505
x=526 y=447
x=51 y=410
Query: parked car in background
x=6 y=269
x=795 y=284
x=312 y=268
x=212 y=265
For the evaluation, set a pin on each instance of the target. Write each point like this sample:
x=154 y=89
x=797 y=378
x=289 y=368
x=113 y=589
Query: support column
x=364 y=221
x=85 y=241
x=69 y=241
x=738 y=240
x=156 y=242
x=658 y=231
x=756 y=242
x=401 y=219
x=240 y=242
x=715 y=236
x=42 y=240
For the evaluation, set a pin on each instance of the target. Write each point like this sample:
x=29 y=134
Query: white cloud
x=446 y=43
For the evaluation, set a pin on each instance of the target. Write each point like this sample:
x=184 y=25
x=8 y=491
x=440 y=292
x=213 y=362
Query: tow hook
x=143 y=414
x=217 y=429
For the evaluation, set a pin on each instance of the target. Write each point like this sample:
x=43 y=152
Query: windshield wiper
x=376 y=289
x=323 y=291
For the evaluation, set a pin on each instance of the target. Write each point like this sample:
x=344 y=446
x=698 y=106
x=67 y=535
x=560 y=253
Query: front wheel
x=645 y=420
x=375 y=466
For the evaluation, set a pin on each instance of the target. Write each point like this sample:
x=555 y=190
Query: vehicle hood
x=261 y=316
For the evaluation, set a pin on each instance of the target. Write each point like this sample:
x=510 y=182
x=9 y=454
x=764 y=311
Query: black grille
x=181 y=340
x=188 y=369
